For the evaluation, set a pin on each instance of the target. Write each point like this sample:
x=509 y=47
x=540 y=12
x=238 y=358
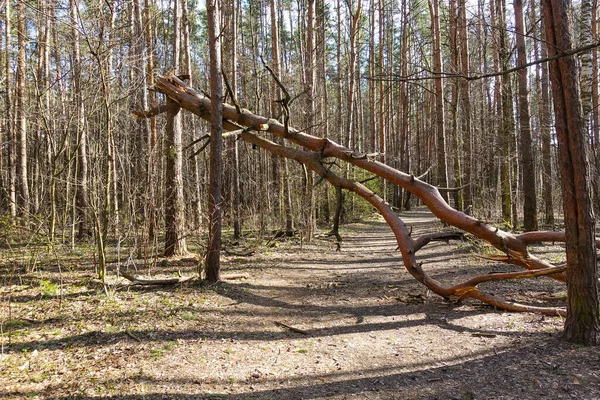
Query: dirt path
x=364 y=329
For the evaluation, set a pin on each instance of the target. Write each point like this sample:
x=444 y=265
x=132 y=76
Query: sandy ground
x=295 y=323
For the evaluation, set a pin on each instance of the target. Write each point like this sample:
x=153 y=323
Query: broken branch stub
x=515 y=247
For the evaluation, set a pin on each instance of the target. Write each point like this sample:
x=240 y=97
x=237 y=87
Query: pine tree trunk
x=21 y=118
x=526 y=145
x=544 y=106
x=465 y=100
x=175 y=243
x=216 y=144
x=10 y=133
x=237 y=195
x=582 y=324
x=442 y=163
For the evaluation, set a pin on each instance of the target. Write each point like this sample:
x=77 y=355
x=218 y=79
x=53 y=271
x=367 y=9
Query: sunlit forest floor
x=291 y=321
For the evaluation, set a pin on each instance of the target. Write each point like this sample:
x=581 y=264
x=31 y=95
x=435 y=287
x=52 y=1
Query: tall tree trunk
x=142 y=126
x=582 y=324
x=372 y=145
x=21 y=117
x=585 y=76
x=455 y=135
x=175 y=243
x=442 y=161
x=237 y=195
x=216 y=143
x=526 y=145
x=508 y=124
x=196 y=220
x=465 y=101
x=10 y=133
x=151 y=208
x=311 y=81
x=81 y=188
x=595 y=120
x=354 y=31
x=544 y=105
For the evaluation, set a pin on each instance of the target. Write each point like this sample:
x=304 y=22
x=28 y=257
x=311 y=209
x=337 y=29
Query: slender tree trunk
x=216 y=143
x=442 y=163
x=175 y=243
x=372 y=145
x=237 y=195
x=354 y=31
x=465 y=101
x=544 y=106
x=196 y=220
x=582 y=324
x=10 y=133
x=585 y=76
x=526 y=144
x=21 y=117
x=455 y=135
x=151 y=207
x=311 y=75
x=508 y=125
x=81 y=196
x=142 y=126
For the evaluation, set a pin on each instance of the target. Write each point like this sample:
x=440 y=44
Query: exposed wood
x=315 y=150
x=137 y=280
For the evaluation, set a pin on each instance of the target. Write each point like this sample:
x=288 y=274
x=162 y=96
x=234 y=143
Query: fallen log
x=137 y=280
x=315 y=150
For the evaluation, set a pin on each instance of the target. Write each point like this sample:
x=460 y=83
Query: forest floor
x=364 y=328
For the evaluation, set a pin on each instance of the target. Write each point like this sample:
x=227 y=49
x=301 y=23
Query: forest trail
x=299 y=322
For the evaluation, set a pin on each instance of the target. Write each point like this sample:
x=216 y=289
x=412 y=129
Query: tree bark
x=526 y=145
x=442 y=163
x=507 y=125
x=21 y=117
x=465 y=99
x=582 y=324
x=237 y=194
x=175 y=243
x=10 y=133
x=81 y=189
x=216 y=144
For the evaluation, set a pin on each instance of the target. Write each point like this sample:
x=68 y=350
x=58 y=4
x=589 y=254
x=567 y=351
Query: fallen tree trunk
x=316 y=150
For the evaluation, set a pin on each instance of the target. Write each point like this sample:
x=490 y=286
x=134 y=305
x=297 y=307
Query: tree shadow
x=543 y=369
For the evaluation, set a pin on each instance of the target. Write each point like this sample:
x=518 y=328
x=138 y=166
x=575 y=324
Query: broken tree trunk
x=316 y=150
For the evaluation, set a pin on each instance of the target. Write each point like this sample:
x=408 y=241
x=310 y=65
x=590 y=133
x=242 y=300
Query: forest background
x=435 y=89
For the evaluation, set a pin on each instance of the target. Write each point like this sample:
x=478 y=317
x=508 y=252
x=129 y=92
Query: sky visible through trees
x=451 y=91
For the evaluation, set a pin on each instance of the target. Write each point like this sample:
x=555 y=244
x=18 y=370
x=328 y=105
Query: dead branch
x=152 y=112
x=136 y=280
x=314 y=149
x=446 y=75
x=291 y=328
